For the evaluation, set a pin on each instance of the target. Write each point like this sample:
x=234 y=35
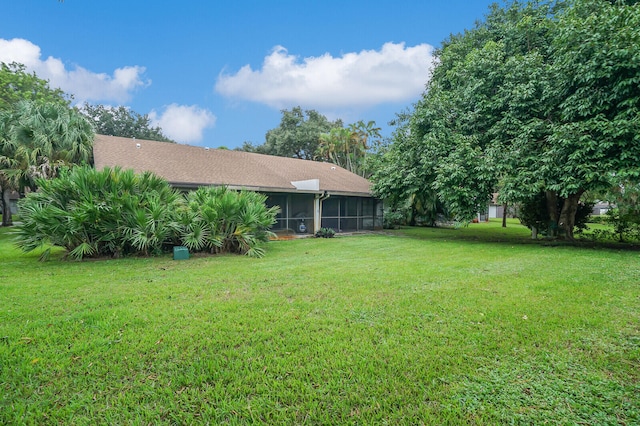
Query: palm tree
x=361 y=134
x=36 y=140
x=348 y=147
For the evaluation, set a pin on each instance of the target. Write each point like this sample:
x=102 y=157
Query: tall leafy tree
x=297 y=135
x=16 y=85
x=597 y=74
x=348 y=147
x=122 y=121
x=401 y=175
x=36 y=140
x=541 y=96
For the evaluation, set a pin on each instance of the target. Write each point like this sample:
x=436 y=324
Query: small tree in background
x=122 y=121
x=297 y=135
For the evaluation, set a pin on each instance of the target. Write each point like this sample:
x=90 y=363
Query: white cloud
x=394 y=73
x=82 y=83
x=183 y=123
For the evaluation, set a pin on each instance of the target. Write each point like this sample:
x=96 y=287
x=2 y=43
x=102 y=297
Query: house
x=496 y=209
x=601 y=208
x=310 y=194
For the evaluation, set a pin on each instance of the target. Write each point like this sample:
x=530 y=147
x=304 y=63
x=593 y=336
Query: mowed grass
x=418 y=326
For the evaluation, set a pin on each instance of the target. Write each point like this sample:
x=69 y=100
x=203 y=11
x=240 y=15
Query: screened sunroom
x=298 y=212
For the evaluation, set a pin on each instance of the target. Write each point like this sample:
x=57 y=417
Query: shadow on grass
x=493 y=233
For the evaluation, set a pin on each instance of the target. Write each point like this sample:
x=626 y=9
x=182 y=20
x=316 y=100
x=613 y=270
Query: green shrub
x=393 y=219
x=115 y=212
x=93 y=213
x=217 y=220
x=625 y=227
x=325 y=233
x=597 y=219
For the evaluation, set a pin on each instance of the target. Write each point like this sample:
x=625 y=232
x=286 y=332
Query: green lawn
x=477 y=325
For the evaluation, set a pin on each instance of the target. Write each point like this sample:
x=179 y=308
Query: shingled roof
x=187 y=166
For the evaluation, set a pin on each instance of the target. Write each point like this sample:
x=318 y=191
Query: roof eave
x=190 y=185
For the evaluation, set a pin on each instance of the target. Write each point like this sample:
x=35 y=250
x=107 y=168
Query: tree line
x=41 y=133
x=309 y=135
x=540 y=101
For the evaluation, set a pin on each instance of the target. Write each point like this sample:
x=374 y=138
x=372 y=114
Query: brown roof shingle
x=186 y=166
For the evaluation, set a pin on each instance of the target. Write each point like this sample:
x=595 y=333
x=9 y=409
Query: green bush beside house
x=115 y=212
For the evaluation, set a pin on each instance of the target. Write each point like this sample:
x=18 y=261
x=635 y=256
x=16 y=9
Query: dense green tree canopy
x=309 y=135
x=122 y=121
x=298 y=134
x=541 y=96
x=18 y=85
x=348 y=146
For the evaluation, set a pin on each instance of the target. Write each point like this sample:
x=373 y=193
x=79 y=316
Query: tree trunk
x=6 y=208
x=414 y=213
x=567 y=219
x=552 y=208
x=504 y=215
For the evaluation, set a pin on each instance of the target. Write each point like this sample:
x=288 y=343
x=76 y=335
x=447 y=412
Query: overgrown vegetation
x=114 y=212
x=484 y=332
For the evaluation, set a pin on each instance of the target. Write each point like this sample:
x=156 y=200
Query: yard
x=437 y=326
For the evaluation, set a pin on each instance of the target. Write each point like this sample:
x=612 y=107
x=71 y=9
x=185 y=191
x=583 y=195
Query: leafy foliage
x=36 y=140
x=309 y=135
x=122 y=121
x=348 y=147
x=217 y=219
x=297 y=135
x=16 y=85
x=91 y=213
x=541 y=96
x=624 y=219
x=325 y=233
x=534 y=213
x=620 y=228
x=400 y=177
x=115 y=213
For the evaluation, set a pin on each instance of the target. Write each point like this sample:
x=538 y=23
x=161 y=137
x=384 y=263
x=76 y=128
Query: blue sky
x=217 y=73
